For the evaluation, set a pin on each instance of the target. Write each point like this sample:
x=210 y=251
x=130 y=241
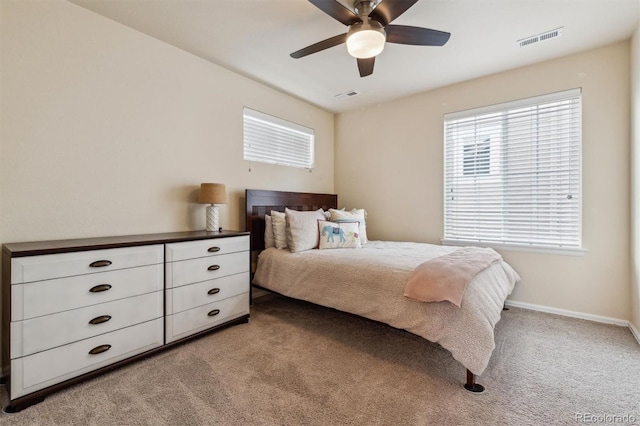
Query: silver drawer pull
x=214 y=313
x=100 y=263
x=99 y=349
x=214 y=291
x=100 y=288
x=100 y=319
x=213 y=267
x=213 y=249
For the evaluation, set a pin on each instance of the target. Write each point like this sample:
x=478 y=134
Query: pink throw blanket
x=446 y=277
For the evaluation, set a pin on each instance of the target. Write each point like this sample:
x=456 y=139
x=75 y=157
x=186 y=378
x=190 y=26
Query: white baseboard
x=567 y=313
x=634 y=331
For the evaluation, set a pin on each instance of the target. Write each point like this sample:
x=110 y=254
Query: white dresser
x=73 y=309
x=207 y=284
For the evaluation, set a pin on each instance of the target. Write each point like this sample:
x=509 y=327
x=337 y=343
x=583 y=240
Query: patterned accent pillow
x=302 y=229
x=338 y=235
x=268 y=232
x=349 y=216
x=279 y=224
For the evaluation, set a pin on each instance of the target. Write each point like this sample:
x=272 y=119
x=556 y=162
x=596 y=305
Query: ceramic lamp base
x=213 y=218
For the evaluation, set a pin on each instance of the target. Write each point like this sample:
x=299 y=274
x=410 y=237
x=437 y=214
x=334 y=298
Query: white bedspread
x=370 y=282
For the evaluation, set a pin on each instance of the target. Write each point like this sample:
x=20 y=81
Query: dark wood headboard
x=260 y=202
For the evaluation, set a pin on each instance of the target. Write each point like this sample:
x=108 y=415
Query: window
x=512 y=173
x=273 y=140
x=476 y=157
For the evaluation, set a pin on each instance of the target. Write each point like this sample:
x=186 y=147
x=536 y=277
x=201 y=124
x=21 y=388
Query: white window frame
x=482 y=212
x=272 y=140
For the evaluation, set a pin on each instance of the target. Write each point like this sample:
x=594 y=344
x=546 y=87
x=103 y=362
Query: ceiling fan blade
x=365 y=66
x=404 y=34
x=388 y=10
x=321 y=45
x=336 y=10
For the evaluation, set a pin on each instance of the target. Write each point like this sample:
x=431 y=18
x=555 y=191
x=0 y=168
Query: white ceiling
x=255 y=37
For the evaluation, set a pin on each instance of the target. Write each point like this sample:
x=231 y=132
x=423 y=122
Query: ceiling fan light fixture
x=369 y=24
x=366 y=39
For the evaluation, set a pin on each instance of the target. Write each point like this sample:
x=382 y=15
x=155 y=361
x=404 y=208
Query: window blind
x=512 y=173
x=273 y=140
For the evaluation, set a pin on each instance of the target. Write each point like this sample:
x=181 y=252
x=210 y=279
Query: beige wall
x=635 y=178
x=389 y=161
x=106 y=131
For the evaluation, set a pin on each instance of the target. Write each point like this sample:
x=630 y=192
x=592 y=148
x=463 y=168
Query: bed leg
x=471 y=384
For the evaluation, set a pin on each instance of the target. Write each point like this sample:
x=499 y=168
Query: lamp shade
x=212 y=193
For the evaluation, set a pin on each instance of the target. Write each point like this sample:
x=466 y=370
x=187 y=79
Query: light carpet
x=295 y=363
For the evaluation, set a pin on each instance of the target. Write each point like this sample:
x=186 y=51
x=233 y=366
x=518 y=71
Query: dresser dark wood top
x=83 y=244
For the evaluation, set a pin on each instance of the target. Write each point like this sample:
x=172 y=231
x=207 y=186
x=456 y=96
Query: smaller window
x=270 y=139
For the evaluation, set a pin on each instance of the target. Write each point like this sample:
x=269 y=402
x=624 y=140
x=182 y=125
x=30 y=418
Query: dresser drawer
x=50 y=266
x=204 y=248
x=190 y=296
x=47 y=332
x=201 y=318
x=206 y=268
x=47 y=297
x=43 y=369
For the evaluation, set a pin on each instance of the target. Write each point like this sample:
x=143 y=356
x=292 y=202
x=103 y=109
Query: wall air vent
x=540 y=37
x=348 y=94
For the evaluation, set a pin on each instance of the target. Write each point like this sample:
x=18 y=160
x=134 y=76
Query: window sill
x=569 y=251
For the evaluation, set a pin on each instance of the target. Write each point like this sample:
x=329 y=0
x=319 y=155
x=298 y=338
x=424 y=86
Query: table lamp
x=212 y=194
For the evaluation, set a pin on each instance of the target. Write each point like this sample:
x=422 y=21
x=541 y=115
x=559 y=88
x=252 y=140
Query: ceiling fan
x=369 y=28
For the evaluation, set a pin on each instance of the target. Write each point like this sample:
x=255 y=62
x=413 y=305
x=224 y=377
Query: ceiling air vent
x=348 y=94
x=540 y=37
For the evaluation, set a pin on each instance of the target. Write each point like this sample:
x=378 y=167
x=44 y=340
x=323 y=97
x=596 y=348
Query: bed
x=370 y=282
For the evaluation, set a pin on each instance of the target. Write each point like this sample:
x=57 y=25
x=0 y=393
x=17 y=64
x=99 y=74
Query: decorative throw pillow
x=268 y=232
x=279 y=224
x=327 y=213
x=302 y=229
x=358 y=215
x=338 y=235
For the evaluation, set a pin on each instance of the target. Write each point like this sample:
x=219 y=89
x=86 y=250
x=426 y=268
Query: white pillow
x=339 y=235
x=302 y=229
x=268 y=232
x=279 y=224
x=327 y=214
x=358 y=215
